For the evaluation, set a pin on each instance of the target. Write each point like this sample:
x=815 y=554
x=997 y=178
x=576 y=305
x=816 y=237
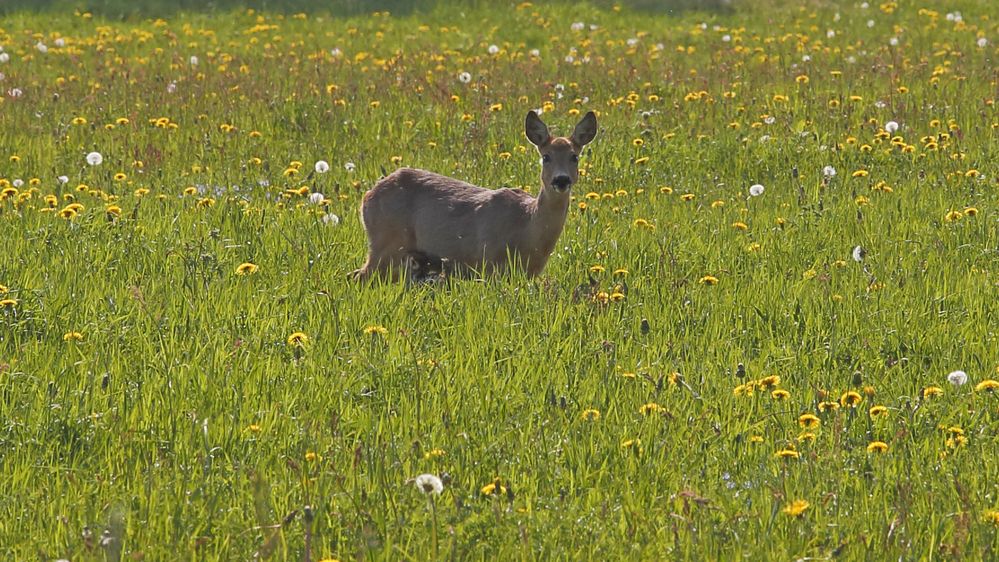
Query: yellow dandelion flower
x=494 y=488
x=687 y=197
x=253 y=428
x=769 y=382
x=787 y=454
x=8 y=303
x=375 y=330
x=708 y=280
x=651 y=408
x=796 y=508
x=641 y=161
x=931 y=391
x=877 y=447
x=970 y=211
x=780 y=394
x=496 y=107
x=590 y=415
x=68 y=213
x=827 y=406
x=740 y=226
x=850 y=399
x=809 y=421
x=860 y=174
x=988 y=385
x=247 y=268
x=877 y=411
x=433 y=454
x=953 y=216
x=72 y=336
x=298 y=339
x=991 y=516
x=311 y=456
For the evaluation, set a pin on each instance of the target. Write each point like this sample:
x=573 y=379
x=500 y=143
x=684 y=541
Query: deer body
x=415 y=212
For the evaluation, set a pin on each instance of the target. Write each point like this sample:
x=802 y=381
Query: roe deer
x=418 y=213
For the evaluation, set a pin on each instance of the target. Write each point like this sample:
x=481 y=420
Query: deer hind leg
x=388 y=258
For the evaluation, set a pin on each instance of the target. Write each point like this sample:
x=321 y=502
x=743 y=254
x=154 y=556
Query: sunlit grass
x=782 y=247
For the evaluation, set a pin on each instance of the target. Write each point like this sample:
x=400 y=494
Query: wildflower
x=796 y=508
x=253 y=428
x=349 y=166
x=687 y=197
x=597 y=268
x=769 y=382
x=860 y=174
x=809 y=421
x=756 y=190
x=641 y=161
x=931 y=391
x=464 y=77
x=311 y=456
x=495 y=487
x=651 y=408
x=991 y=516
x=739 y=225
x=829 y=171
x=850 y=399
x=316 y=198
x=298 y=339
x=858 y=254
x=68 y=213
x=877 y=447
x=590 y=415
x=708 y=280
x=970 y=211
x=247 y=268
x=957 y=378
x=953 y=216
x=987 y=386
x=120 y=177
x=94 y=158
x=322 y=167
x=72 y=336
x=635 y=444
x=433 y=454
x=827 y=406
x=787 y=454
x=891 y=127
x=113 y=211
x=375 y=330
x=496 y=107
x=429 y=484
x=780 y=394
x=877 y=411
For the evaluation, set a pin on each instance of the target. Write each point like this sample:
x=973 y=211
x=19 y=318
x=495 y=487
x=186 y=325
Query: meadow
x=768 y=330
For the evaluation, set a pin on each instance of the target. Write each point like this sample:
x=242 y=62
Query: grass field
x=700 y=373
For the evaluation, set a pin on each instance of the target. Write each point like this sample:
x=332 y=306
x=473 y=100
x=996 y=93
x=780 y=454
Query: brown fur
x=416 y=212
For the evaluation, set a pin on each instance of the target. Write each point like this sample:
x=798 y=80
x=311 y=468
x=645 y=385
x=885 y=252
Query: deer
x=415 y=216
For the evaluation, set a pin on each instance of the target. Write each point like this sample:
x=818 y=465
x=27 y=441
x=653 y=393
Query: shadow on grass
x=119 y=9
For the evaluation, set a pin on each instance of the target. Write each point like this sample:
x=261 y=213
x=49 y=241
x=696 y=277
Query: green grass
x=185 y=425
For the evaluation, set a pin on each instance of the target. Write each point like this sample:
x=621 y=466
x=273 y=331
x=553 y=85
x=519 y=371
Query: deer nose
x=561 y=182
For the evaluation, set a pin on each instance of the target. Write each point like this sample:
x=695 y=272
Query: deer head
x=559 y=155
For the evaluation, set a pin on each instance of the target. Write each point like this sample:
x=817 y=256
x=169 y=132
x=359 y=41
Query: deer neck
x=548 y=215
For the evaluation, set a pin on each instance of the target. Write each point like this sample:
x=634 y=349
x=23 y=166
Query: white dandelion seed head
x=982 y=42
x=893 y=41
x=18 y=182
x=577 y=26
x=322 y=167
x=870 y=23
x=316 y=198
x=829 y=171
x=331 y=219
x=594 y=27
x=194 y=60
x=4 y=57
x=63 y=179
x=493 y=49
x=764 y=138
x=42 y=47
x=632 y=41
x=837 y=17
x=535 y=53
x=349 y=166
x=891 y=126
x=770 y=120
x=726 y=38
x=864 y=5
x=570 y=59
x=957 y=378
x=464 y=77
x=60 y=42
x=15 y=92
x=429 y=484
x=880 y=104
x=756 y=190
x=336 y=52
x=806 y=58
x=95 y=159
x=858 y=254
x=830 y=34
x=171 y=87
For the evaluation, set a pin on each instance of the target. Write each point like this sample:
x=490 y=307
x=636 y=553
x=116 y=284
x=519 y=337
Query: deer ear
x=585 y=130
x=537 y=131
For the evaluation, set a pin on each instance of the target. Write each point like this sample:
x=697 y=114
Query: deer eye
x=575 y=158
x=545 y=158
